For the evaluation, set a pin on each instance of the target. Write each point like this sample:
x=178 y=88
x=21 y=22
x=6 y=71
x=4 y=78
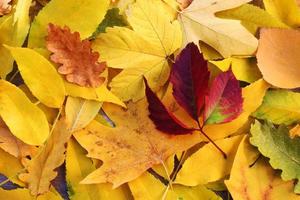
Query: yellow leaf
x=79 y=15
x=295 y=131
x=78 y=167
x=253 y=97
x=13 y=32
x=81 y=112
x=257 y=182
x=101 y=94
x=52 y=155
x=40 y=76
x=142 y=50
x=244 y=69
x=278 y=57
x=24 y=194
x=287 y=11
x=208 y=164
x=26 y=121
x=228 y=37
x=131 y=147
x=147 y=187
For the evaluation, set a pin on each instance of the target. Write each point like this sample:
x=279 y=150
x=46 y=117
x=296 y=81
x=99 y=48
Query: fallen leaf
x=78 y=167
x=224 y=101
x=228 y=37
x=200 y=168
x=295 y=131
x=163 y=119
x=246 y=173
x=130 y=148
x=278 y=57
x=283 y=151
x=40 y=170
x=280 y=107
x=40 y=76
x=5 y=7
x=190 y=77
x=154 y=37
x=184 y=3
x=25 y=120
x=79 y=63
x=8 y=185
x=70 y=13
x=24 y=194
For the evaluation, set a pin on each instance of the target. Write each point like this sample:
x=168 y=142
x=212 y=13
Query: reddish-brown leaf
x=5 y=7
x=79 y=63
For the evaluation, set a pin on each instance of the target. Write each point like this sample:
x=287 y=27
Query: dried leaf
x=278 y=57
x=189 y=77
x=130 y=148
x=5 y=7
x=79 y=64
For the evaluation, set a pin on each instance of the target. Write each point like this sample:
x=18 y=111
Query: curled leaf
x=79 y=64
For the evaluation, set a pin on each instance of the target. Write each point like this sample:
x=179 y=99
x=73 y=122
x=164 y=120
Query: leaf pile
x=149 y=99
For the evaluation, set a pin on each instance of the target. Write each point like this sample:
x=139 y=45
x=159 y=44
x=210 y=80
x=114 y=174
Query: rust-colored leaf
x=79 y=64
x=5 y=7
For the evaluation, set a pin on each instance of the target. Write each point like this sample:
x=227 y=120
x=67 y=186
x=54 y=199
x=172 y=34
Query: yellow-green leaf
x=83 y=16
x=25 y=120
x=40 y=76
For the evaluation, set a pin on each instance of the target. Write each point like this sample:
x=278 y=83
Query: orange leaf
x=5 y=7
x=79 y=63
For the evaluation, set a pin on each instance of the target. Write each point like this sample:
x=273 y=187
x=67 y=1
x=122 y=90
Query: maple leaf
x=228 y=37
x=40 y=170
x=275 y=53
x=243 y=180
x=163 y=119
x=5 y=7
x=79 y=64
x=130 y=148
x=283 y=151
x=189 y=77
x=224 y=101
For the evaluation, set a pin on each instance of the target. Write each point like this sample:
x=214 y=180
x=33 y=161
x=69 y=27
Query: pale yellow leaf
x=40 y=76
x=24 y=194
x=25 y=120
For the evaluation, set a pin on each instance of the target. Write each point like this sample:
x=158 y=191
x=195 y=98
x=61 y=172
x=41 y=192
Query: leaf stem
x=210 y=140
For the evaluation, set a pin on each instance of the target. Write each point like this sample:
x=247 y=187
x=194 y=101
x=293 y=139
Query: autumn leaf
x=8 y=185
x=40 y=170
x=283 y=151
x=79 y=64
x=134 y=141
x=276 y=52
x=228 y=37
x=190 y=77
x=154 y=37
x=224 y=101
x=5 y=7
x=247 y=171
x=163 y=119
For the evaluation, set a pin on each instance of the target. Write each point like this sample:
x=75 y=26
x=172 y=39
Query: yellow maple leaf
x=228 y=37
x=142 y=50
x=246 y=174
x=130 y=148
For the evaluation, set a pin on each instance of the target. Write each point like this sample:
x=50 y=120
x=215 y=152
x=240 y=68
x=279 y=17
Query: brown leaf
x=279 y=57
x=184 y=3
x=130 y=148
x=13 y=145
x=5 y=7
x=40 y=170
x=79 y=63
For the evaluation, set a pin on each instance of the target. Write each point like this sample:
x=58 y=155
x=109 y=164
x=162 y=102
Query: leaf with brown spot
x=130 y=148
x=80 y=64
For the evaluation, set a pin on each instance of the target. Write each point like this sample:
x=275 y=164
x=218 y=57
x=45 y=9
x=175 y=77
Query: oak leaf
x=5 y=7
x=228 y=37
x=130 y=148
x=278 y=57
x=79 y=63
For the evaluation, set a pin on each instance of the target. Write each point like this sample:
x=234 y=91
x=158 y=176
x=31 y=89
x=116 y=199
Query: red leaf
x=190 y=77
x=164 y=120
x=79 y=63
x=224 y=101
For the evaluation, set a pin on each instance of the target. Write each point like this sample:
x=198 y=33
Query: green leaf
x=25 y=120
x=40 y=76
x=280 y=107
x=284 y=152
x=80 y=15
